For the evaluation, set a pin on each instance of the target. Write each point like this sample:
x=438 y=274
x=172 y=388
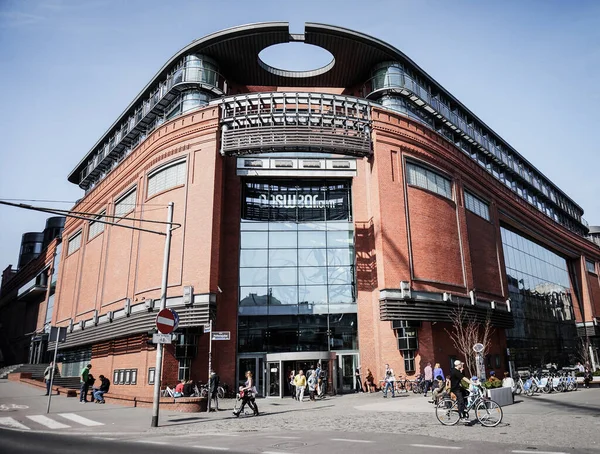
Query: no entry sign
x=165 y=321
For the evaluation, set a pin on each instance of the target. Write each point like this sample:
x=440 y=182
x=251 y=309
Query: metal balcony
x=274 y=122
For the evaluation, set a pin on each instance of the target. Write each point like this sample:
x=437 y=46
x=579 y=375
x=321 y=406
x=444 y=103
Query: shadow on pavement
x=586 y=409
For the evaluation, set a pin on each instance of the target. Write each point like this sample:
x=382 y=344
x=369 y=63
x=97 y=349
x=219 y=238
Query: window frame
x=72 y=238
x=120 y=199
x=590 y=266
x=100 y=216
x=163 y=168
x=435 y=173
x=478 y=201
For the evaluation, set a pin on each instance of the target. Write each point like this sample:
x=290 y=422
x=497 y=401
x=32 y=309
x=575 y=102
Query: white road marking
x=349 y=440
x=150 y=442
x=437 y=446
x=282 y=438
x=10 y=422
x=275 y=452
x=539 y=452
x=80 y=419
x=212 y=448
x=49 y=423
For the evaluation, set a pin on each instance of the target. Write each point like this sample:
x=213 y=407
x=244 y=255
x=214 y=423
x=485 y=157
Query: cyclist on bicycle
x=456 y=378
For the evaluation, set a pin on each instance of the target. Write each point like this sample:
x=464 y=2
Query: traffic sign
x=158 y=338
x=165 y=321
x=221 y=335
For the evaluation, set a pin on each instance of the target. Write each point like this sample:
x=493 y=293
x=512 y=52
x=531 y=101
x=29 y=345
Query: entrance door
x=274 y=379
x=254 y=365
x=348 y=365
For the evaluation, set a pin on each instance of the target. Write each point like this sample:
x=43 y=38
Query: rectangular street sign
x=60 y=332
x=159 y=338
x=221 y=335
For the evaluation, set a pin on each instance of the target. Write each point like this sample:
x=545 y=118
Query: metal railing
x=399 y=82
x=150 y=114
x=267 y=122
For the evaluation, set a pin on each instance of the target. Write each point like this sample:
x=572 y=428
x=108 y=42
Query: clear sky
x=68 y=68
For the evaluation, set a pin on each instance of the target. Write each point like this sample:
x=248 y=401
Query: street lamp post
x=163 y=305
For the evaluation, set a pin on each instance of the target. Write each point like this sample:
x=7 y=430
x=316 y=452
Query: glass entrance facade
x=540 y=293
x=297 y=275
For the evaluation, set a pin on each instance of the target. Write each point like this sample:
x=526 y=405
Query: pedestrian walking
x=247 y=394
x=587 y=377
x=291 y=378
x=213 y=386
x=437 y=370
x=428 y=376
x=300 y=384
x=370 y=382
x=312 y=385
x=389 y=381
x=48 y=376
x=84 y=378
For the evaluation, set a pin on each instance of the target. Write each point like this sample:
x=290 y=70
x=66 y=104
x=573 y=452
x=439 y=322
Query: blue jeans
x=83 y=392
x=47 y=386
x=390 y=385
x=99 y=395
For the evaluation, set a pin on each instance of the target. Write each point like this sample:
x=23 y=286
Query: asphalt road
x=366 y=423
x=15 y=442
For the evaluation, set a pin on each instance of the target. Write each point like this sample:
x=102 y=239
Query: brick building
x=336 y=215
x=27 y=296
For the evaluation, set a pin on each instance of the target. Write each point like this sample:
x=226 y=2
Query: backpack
x=90 y=380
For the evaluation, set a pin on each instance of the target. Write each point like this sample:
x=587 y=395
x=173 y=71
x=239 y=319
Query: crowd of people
x=315 y=381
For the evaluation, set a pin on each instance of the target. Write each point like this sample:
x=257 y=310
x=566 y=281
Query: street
x=560 y=423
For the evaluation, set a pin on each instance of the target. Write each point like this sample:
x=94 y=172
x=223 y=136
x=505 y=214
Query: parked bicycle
x=488 y=412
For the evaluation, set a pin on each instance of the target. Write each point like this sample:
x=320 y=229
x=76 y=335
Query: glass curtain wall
x=297 y=276
x=540 y=293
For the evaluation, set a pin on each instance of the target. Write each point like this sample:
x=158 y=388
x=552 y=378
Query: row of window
x=125 y=377
x=422 y=177
x=393 y=74
x=167 y=177
x=192 y=68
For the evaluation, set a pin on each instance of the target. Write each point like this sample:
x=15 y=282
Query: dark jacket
x=105 y=385
x=213 y=382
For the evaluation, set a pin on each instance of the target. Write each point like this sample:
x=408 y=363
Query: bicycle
x=418 y=386
x=488 y=412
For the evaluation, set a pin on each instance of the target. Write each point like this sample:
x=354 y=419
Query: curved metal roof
x=236 y=51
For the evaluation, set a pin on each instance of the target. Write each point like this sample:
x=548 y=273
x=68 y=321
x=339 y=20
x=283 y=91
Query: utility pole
x=163 y=305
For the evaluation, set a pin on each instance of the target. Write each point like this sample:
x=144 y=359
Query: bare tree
x=466 y=332
x=583 y=351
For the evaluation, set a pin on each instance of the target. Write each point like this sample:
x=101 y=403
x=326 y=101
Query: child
x=473 y=391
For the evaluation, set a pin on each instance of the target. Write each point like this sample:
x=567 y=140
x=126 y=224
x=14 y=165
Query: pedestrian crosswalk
x=45 y=422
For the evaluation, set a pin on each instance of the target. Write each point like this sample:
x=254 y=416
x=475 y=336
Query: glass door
x=274 y=379
x=255 y=365
x=348 y=365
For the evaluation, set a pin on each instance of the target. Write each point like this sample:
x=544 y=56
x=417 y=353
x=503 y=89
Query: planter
x=502 y=396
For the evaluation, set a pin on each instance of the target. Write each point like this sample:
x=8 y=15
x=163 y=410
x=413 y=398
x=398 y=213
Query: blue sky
x=68 y=68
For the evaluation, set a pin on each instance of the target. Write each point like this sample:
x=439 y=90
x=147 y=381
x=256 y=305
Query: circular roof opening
x=296 y=60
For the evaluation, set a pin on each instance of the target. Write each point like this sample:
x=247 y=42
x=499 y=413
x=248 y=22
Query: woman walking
x=312 y=385
x=247 y=393
x=291 y=384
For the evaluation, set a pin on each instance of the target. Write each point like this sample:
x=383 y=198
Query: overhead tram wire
x=73 y=202
x=93 y=217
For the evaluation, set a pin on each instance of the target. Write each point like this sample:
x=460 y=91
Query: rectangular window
x=590 y=266
x=127 y=376
x=74 y=243
x=134 y=376
x=477 y=206
x=126 y=203
x=151 y=374
x=166 y=178
x=116 y=377
x=184 y=369
x=427 y=179
x=409 y=360
x=96 y=227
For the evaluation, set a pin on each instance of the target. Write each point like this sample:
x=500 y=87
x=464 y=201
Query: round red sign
x=165 y=321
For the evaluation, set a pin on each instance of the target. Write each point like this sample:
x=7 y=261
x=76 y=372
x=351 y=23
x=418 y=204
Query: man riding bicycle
x=456 y=378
